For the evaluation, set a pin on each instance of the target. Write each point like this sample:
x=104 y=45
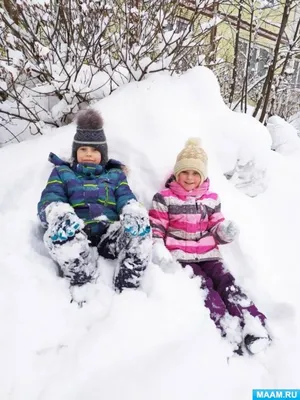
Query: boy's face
x=189 y=180
x=88 y=154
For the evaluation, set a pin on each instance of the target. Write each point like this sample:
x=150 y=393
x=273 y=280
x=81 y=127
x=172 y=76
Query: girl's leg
x=256 y=337
x=133 y=253
x=236 y=301
x=213 y=300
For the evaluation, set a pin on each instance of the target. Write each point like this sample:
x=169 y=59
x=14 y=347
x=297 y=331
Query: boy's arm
x=123 y=193
x=53 y=192
x=159 y=217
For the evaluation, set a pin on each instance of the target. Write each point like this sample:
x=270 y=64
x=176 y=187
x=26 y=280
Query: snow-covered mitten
x=135 y=219
x=227 y=231
x=160 y=254
x=63 y=223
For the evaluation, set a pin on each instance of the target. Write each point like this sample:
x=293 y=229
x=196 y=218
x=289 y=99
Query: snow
x=157 y=342
x=285 y=139
x=3 y=85
x=294 y=120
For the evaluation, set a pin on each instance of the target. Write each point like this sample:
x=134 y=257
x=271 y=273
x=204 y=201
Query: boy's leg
x=107 y=246
x=236 y=301
x=74 y=258
x=133 y=253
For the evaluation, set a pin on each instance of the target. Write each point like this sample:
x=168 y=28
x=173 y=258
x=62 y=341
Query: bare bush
x=58 y=57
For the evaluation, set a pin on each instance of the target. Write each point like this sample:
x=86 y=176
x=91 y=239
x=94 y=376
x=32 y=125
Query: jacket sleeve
x=123 y=192
x=159 y=217
x=215 y=217
x=55 y=191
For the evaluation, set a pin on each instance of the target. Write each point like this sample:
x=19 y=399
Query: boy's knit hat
x=192 y=157
x=90 y=133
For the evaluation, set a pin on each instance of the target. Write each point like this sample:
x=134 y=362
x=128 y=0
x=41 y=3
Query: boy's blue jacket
x=92 y=190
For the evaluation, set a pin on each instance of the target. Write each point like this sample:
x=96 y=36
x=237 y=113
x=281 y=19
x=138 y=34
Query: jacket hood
x=55 y=160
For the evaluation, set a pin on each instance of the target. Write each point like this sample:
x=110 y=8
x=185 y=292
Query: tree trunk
x=12 y=10
x=266 y=91
x=213 y=35
x=288 y=57
x=245 y=86
x=236 y=53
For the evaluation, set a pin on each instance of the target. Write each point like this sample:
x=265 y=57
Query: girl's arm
x=215 y=217
x=222 y=230
x=159 y=217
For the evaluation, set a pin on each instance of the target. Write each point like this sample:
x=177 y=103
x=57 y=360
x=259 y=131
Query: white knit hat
x=192 y=157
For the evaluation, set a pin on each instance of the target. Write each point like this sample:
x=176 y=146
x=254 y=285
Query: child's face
x=189 y=180
x=88 y=154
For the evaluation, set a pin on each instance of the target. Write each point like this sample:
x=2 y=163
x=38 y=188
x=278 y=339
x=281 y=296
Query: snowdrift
x=157 y=342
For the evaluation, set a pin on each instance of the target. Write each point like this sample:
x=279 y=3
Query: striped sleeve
x=123 y=192
x=215 y=218
x=159 y=216
x=53 y=192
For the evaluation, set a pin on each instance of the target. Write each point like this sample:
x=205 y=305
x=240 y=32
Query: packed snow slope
x=157 y=342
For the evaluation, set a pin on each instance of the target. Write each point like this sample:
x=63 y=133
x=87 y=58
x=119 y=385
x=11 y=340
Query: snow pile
x=294 y=120
x=285 y=139
x=157 y=342
x=186 y=106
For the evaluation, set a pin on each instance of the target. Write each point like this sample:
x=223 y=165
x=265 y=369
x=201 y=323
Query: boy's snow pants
x=77 y=262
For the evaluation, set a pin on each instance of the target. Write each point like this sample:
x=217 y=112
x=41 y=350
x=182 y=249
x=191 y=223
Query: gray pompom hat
x=90 y=132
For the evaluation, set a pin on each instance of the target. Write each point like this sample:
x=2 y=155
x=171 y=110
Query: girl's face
x=88 y=154
x=189 y=180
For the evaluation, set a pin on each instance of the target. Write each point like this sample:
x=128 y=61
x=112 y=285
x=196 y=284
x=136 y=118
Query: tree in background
x=266 y=41
x=60 y=56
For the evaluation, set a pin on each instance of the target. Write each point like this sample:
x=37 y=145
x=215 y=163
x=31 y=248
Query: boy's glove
x=63 y=223
x=227 y=231
x=135 y=219
x=160 y=254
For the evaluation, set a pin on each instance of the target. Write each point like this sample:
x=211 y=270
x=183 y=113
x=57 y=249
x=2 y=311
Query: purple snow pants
x=223 y=293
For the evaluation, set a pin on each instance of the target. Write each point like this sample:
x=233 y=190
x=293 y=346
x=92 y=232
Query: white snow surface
x=157 y=342
x=285 y=139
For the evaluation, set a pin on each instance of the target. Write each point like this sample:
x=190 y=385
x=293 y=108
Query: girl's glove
x=63 y=223
x=160 y=254
x=227 y=231
x=135 y=219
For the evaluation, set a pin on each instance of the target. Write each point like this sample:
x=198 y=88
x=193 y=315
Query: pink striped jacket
x=188 y=222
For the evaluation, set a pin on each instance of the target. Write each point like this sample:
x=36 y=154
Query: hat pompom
x=193 y=142
x=89 y=120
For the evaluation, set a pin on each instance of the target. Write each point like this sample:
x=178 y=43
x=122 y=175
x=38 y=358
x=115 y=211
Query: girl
x=89 y=202
x=187 y=224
